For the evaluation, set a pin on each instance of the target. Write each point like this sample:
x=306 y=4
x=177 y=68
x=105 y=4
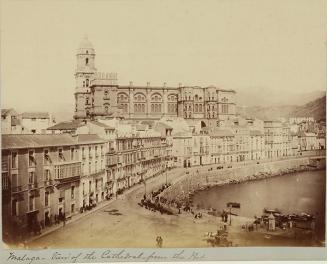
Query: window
x=14 y=207
x=106 y=109
x=96 y=151
x=31 y=203
x=90 y=186
x=72 y=150
x=46 y=198
x=96 y=166
x=73 y=192
x=90 y=166
x=14 y=180
x=31 y=177
x=14 y=160
x=87 y=82
x=101 y=150
x=86 y=61
x=83 y=188
x=61 y=155
x=46 y=157
x=31 y=160
x=72 y=208
x=47 y=175
x=5 y=181
x=83 y=153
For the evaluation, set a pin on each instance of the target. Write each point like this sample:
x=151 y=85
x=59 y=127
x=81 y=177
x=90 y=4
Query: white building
x=36 y=122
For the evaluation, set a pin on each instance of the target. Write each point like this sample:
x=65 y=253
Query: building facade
x=97 y=95
x=42 y=176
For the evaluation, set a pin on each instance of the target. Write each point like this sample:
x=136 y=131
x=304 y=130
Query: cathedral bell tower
x=84 y=73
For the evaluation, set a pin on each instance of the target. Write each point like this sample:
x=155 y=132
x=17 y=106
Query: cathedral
x=98 y=96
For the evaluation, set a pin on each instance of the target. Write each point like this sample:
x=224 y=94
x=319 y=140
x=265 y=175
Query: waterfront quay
x=123 y=223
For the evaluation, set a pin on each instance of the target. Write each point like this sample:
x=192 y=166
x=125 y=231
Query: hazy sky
x=277 y=45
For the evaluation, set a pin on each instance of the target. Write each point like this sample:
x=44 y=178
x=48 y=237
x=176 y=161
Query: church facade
x=98 y=96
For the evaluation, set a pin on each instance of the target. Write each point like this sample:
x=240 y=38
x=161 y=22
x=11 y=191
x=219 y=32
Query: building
x=42 y=175
x=257 y=145
x=277 y=139
x=222 y=146
x=308 y=141
x=93 y=183
x=10 y=122
x=201 y=148
x=97 y=95
x=69 y=127
x=321 y=138
x=36 y=122
x=182 y=149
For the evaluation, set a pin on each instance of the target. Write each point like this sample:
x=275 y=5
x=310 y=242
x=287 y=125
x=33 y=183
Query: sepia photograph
x=162 y=125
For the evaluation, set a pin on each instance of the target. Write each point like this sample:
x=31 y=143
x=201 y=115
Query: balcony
x=17 y=189
x=48 y=183
x=32 y=186
x=98 y=173
x=66 y=171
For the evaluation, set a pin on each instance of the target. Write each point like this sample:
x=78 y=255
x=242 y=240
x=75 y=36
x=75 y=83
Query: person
x=159 y=241
x=64 y=220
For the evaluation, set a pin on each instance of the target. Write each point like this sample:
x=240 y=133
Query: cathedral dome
x=85 y=46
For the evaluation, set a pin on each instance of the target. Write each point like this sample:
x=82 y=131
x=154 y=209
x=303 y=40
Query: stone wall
x=199 y=180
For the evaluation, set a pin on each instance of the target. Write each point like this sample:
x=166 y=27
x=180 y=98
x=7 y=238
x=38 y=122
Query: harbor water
x=302 y=192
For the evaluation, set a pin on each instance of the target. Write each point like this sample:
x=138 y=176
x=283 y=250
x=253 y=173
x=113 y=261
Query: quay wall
x=199 y=179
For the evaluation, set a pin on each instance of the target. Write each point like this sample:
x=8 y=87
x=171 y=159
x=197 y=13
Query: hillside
x=315 y=108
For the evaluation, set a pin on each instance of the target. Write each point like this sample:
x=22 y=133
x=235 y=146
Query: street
x=123 y=223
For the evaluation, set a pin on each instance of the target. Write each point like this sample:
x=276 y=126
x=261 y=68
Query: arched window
x=156 y=108
x=196 y=108
x=135 y=108
x=152 y=108
x=143 y=108
x=200 y=107
x=159 y=108
x=87 y=52
x=86 y=61
x=189 y=107
x=106 y=109
x=196 y=97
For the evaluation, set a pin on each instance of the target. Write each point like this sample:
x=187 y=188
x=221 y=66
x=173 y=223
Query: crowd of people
x=154 y=202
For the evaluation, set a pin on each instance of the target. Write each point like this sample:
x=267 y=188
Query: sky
x=277 y=46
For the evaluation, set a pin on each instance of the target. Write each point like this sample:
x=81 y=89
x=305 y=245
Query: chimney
x=180 y=85
x=130 y=84
x=164 y=85
x=148 y=84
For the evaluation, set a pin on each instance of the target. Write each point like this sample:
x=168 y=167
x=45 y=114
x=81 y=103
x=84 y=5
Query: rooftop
x=39 y=115
x=101 y=124
x=67 y=125
x=35 y=141
x=5 y=112
x=89 y=139
x=222 y=133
